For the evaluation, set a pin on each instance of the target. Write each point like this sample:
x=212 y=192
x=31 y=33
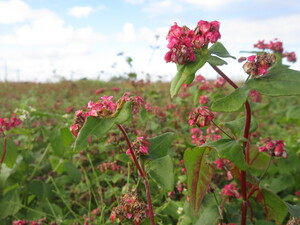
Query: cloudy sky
x=44 y=40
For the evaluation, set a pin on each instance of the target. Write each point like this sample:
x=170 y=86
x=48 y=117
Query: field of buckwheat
x=190 y=152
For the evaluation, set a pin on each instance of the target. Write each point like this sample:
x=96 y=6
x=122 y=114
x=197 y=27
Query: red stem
x=142 y=173
x=4 y=150
x=246 y=145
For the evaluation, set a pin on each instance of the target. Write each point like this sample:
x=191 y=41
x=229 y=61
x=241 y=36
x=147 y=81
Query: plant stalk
x=4 y=150
x=246 y=148
x=142 y=173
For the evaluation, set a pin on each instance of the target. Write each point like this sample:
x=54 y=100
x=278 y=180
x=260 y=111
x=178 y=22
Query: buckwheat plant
x=228 y=147
x=97 y=119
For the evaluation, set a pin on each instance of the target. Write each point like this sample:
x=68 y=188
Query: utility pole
x=5 y=71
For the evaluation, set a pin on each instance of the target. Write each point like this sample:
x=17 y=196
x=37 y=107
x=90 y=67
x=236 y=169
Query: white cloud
x=48 y=29
x=14 y=11
x=80 y=11
x=211 y=4
x=134 y=2
x=128 y=34
x=161 y=7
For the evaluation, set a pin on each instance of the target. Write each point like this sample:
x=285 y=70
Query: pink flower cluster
x=230 y=190
x=203 y=99
x=220 y=82
x=103 y=108
x=258 y=65
x=199 y=138
x=277 y=47
x=130 y=208
x=183 y=41
x=201 y=117
x=140 y=146
x=39 y=222
x=8 y=123
x=220 y=163
x=274 y=148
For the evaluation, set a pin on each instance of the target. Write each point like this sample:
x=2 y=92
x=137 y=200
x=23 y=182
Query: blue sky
x=42 y=40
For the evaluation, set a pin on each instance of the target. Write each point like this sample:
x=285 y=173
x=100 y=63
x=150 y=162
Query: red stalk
x=4 y=150
x=142 y=173
x=246 y=145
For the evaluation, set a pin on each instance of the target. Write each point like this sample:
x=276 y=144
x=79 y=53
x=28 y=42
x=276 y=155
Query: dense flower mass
x=277 y=47
x=130 y=208
x=104 y=108
x=8 y=123
x=274 y=148
x=183 y=42
x=258 y=65
x=201 y=117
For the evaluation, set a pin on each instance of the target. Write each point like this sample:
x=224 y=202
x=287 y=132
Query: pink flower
x=115 y=89
x=199 y=78
x=274 y=148
x=230 y=190
x=100 y=91
x=93 y=112
x=220 y=82
x=203 y=99
x=291 y=56
x=180 y=45
x=90 y=104
x=256 y=96
x=74 y=129
x=252 y=58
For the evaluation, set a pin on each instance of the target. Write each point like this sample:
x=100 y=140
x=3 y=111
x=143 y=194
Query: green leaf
x=186 y=73
x=209 y=216
x=11 y=152
x=93 y=126
x=237 y=126
x=99 y=127
x=60 y=141
x=216 y=61
x=199 y=174
x=229 y=149
x=160 y=145
x=276 y=209
x=10 y=204
x=280 y=81
x=161 y=170
x=232 y=102
x=219 y=50
x=72 y=171
x=294 y=210
x=40 y=189
x=282 y=183
x=123 y=114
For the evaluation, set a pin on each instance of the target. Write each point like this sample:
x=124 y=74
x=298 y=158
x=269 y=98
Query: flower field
x=190 y=152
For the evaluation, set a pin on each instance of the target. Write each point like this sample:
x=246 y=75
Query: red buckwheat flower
x=201 y=117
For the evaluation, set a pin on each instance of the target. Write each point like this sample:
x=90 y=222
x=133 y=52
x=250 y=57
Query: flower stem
x=222 y=130
x=246 y=147
x=142 y=173
x=4 y=150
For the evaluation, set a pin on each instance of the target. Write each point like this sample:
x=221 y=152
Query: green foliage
x=280 y=81
x=100 y=126
x=199 y=174
x=11 y=152
x=160 y=145
x=186 y=73
x=161 y=170
x=229 y=149
x=219 y=50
